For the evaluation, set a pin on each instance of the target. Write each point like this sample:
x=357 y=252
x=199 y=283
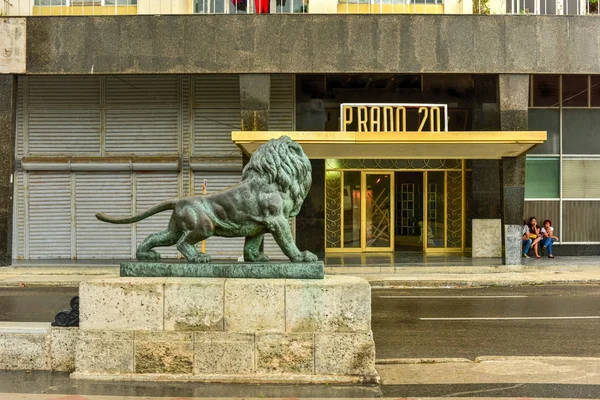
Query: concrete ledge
x=37 y=346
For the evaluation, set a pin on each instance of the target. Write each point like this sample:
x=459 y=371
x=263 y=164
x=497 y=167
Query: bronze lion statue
x=274 y=185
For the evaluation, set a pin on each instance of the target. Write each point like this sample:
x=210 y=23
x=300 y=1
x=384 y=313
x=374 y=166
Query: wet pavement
x=468 y=323
x=42 y=385
x=406 y=322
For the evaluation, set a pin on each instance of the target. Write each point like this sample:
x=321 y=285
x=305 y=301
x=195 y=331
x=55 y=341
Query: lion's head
x=283 y=162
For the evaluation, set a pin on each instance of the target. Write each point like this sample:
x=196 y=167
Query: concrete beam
x=288 y=43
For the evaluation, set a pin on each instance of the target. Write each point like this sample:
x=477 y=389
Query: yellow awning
x=458 y=145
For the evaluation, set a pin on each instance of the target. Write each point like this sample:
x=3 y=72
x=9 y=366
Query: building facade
x=133 y=109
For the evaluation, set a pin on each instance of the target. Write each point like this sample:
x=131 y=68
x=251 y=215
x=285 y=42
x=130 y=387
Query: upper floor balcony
x=159 y=7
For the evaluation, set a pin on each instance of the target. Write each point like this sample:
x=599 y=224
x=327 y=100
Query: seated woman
x=526 y=240
x=534 y=236
x=548 y=237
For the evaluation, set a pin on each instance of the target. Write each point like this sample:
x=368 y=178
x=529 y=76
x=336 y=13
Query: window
x=581 y=179
x=545 y=90
x=581 y=131
x=542 y=178
x=574 y=90
x=545 y=120
x=50 y=3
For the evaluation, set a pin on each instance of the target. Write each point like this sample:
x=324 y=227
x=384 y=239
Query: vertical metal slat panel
x=151 y=189
x=281 y=114
x=142 y=131
x=105 y=192
x=216 y=114
x=142 y=114
x=49 y=215
x=580 y=219
x=219 y=247
x=18 y=250
x=63 y=115
x=186 y=128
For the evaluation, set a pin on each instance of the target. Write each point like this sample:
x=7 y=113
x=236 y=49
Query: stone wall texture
x=251 y=330
x=293 y=43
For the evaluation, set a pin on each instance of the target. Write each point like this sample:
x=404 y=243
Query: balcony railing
x=157 y=7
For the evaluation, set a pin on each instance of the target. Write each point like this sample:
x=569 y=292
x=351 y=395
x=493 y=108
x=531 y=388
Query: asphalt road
x=431 y=323
x=467 y=323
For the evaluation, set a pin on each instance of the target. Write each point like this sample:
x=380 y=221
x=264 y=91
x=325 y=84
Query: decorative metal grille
x=393 y=164
x=333 y=206
x=454 y=209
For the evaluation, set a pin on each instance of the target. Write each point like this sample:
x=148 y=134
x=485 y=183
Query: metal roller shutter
x=281 y=114
x=49 y=215
x=19 y=183
x=281 y=118
x=107 y=192
x=151 y=189
x=219 y=247
x=216 y=113
x=63 y=115
x=142 y=114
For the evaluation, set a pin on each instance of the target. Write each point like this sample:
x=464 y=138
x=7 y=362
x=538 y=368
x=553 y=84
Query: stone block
x=193 y=304
x=63 y=342
x=122 y=304
x=24 y=346
x=487 y=238
x=345 y=354
x=285 y=353
x=513 y=244
x=163 y=352
x=223 y=353
x=253 y=305
x=104 y=352
x=335 y=304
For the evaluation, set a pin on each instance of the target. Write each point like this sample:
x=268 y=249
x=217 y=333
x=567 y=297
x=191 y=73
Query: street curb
x=424 y=284
x=403 y=361
x=534 y=358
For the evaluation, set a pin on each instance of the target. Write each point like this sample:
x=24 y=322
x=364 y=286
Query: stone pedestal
x=226 y=330
x=487 y=238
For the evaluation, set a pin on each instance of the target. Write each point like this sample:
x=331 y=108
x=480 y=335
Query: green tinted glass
x=542 y=178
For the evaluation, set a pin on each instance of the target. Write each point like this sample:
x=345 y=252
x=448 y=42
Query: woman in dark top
x=534 y=235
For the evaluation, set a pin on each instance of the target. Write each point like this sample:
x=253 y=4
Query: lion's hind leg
x=187 y=246
x=160 y=239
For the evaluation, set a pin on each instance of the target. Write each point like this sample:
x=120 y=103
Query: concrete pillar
x=514 y=93
x=255 y=99
x=8 y=125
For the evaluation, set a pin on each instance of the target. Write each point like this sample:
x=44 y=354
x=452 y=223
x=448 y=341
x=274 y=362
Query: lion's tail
x=166 y=205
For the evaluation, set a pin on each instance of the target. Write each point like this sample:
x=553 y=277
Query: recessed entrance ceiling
x=460 y=145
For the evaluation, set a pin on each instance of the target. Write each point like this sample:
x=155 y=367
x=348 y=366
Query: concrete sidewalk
x=580 y=271
x=515 y=370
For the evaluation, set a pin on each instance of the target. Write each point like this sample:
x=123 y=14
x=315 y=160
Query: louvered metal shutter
x=216 y=114
x=63 y=115
x=281 y=114
x=219 y=247
x=281 y=118
x=153 y=188
x=105 y=192
x=19 y=180
x=49 y=215
x=142 y=114
x=186 y=127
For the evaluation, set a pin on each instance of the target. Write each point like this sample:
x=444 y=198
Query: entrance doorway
x=386 y=210
x=420 y=208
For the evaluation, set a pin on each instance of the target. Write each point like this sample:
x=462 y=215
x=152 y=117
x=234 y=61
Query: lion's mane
x=281 y=161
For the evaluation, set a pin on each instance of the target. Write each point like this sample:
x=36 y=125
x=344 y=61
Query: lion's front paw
x=149 y=255
x=305 y=256
x=201 y=258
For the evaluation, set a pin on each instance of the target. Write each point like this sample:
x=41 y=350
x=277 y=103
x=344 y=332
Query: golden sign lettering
x=390 y=118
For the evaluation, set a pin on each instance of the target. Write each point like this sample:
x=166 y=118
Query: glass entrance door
x=377 y=211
